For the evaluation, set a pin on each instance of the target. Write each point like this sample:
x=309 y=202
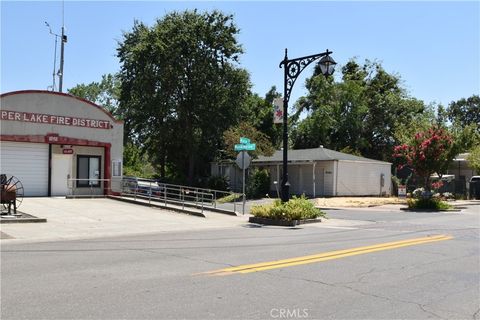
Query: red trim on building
x=65 y=95
x=107 y=175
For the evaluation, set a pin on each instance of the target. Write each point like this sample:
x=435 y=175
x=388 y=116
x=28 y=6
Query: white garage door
x=29 y=163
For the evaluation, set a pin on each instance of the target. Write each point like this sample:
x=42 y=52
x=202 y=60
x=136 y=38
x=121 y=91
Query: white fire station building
x=57 y=144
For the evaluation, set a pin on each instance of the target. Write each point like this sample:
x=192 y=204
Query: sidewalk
x=91 y=218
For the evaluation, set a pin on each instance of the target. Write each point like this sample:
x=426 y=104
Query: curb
x=430 y=210
x=282 y=223
x=24 y=218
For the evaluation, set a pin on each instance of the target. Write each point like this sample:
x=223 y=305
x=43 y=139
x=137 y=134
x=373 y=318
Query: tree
x=182 y=88
x=474 y=159
x=232 y=137
x=465 y=111
x=464 y=137
x=135 y=162
x=360 y=112
x=428 y=152
x=104 y=93
x=258 y=112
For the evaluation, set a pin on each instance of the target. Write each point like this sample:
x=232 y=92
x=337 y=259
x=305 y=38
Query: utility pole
x=62 y=50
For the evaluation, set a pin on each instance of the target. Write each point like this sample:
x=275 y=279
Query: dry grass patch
x=357 y=202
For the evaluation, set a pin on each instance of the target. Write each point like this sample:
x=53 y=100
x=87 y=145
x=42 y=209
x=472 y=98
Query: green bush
x=431 y=203
x=298 y=208
x=258 y=184
x=218 y=183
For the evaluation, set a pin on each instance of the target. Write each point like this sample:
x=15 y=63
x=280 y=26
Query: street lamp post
x=292 y=69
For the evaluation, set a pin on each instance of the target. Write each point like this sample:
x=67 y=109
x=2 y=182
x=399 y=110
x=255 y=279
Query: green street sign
x=246 y=147
x=244 y=140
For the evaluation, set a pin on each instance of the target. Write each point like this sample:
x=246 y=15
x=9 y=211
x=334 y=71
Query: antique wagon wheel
x=13 y=184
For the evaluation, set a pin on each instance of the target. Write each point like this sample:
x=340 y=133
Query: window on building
x=88 y=171
x=116 y=168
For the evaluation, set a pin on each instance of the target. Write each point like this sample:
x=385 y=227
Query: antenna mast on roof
x=63 y=40
x=54 y=55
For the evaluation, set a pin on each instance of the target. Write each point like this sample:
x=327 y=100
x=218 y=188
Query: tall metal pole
x=285 y=185
x=243 y=187
x=62 y=50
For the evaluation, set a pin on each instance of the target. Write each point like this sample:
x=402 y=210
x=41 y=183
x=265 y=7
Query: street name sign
x=245 y=147
x=244 y=140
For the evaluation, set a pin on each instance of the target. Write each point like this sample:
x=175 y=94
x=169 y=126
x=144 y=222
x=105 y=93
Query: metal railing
x=93 y=187
x=147 y=190
x=178 y=195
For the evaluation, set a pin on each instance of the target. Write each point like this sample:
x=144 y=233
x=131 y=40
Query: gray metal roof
x=316 y=154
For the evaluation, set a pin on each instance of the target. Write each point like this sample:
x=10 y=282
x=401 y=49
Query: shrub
x=431 y=203
x=298 y=208
x=218 y=183
x=258 y=185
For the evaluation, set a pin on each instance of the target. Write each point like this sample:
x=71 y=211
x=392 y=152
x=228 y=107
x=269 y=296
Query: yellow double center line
x=247 y=268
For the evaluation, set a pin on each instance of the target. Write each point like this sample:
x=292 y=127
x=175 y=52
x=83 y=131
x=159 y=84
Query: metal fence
x=151 y=191
x=92 y=187
x=180 y=196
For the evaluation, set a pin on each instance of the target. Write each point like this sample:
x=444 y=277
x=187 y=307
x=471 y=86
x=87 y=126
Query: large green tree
x=258 y=113
x=465 y=111
x=474 y=159
x=358 y=113
x=182 y=87
x=104 y=93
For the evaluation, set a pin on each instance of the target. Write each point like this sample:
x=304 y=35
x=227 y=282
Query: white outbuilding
x=57 y=144
x=320 y=172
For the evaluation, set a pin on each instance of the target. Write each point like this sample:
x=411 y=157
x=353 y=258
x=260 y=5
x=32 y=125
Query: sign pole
x=243 y=162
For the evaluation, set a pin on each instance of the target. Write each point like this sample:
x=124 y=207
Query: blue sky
x=433 y=46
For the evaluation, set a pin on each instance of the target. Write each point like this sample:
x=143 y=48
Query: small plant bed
x=429 y=204
x=424 y=201
x=299 y=210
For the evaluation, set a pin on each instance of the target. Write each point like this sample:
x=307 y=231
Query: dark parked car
x=136 y=185
x=475 y=187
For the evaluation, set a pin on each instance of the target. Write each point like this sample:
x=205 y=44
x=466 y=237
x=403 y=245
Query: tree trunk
x=191 y=167
x=427 y=194
x=162 y=162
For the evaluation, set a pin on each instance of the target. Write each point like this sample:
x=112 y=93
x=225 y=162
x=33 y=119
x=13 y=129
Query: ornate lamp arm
x=294 y=67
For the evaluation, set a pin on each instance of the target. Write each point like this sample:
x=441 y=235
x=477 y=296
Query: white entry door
x=61 y=172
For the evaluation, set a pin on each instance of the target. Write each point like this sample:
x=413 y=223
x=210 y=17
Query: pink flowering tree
x=430 y=152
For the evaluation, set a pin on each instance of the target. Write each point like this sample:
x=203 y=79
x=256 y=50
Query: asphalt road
x=169 y=275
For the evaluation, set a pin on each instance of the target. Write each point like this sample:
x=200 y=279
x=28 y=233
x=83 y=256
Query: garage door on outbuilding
x=28 y=162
